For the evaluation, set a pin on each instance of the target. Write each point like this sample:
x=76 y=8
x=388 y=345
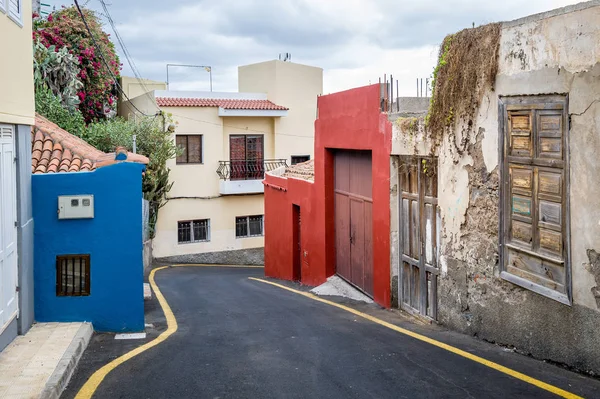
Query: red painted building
x=332 y=215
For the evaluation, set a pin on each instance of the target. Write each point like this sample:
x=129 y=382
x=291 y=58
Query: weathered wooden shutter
x=535 y=225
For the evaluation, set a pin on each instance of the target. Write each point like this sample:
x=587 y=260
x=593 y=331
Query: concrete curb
x=67 y=364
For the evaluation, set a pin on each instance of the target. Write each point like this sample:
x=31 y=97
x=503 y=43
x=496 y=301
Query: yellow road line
x=91 y=385
x=94 y=381
x=208 y=265
x=459 y=352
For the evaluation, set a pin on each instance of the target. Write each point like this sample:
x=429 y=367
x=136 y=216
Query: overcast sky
x=354 y=41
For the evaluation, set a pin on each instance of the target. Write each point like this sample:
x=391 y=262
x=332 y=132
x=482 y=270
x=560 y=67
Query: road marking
x=91 y=385
x=131 y=336
x=457 y=351
x=209 y=265
x=89 y=388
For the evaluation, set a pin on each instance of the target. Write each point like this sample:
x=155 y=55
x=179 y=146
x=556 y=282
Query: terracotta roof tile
x=215 y=102
x=55 y=150
x=304 y=170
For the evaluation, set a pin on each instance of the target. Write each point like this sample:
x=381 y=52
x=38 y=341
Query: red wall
x=348 y=120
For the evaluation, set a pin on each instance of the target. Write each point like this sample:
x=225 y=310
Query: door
x=418 y=274
x=8 y=227
x=353 y=218
x=246 y=154
x=297 y=244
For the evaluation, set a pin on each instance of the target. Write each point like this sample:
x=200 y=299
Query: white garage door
x=8 y=228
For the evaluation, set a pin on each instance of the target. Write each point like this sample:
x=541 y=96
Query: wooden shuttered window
x=535 y=176
x=191 y=147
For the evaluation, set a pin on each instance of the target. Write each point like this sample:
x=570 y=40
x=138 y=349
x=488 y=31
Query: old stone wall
x=552 y=53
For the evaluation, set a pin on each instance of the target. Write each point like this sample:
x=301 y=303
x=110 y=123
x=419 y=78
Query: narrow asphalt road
x=240 y=338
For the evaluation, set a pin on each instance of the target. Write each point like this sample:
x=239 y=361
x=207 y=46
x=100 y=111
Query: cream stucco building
x=216 y=207
x=17 y=109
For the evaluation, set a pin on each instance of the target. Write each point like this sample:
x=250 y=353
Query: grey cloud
x=228 y=33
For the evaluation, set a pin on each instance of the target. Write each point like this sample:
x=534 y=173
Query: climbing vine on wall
x=466 y=69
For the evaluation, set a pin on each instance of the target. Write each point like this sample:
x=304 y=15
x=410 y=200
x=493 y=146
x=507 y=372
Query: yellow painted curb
x=457 y=351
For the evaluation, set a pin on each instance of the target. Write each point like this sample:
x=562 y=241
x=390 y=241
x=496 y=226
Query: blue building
x=88 y=261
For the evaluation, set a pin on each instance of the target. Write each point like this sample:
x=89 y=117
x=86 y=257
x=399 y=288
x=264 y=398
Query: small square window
x=74 y=202
x=191 y=147
x=85 y=202
x=299 y=159
x=73 y=275
x=249 y=226
x=193 y=231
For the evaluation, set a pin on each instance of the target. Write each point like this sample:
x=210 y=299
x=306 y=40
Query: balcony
x=245 y=176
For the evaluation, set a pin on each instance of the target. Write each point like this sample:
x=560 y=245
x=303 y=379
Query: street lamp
x=207 y=68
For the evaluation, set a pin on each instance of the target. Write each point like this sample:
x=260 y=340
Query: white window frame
x=192 y=238
x=17 y=18
x=262 y=226
x=3 y=6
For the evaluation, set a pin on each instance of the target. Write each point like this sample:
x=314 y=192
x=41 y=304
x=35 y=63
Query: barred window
x=249 y=226
x=193 y=231
x=73 y=275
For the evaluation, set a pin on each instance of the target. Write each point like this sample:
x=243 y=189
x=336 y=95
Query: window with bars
x=193 y=231
x=73 y=275
x=249 y=226
x=191 y=147
x=535 y=199
x=296 y=159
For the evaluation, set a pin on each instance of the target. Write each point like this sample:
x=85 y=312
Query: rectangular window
x=246 y=154
x=534 y=237
x=249 y=226
x=191 y=146
x=15 y=11
x=193 y=231
x=299 y=159
x=73 y=275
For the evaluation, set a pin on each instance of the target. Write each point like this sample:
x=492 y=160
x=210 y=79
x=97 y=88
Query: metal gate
x=418 y=274
x=354 y=218
x=8 y=227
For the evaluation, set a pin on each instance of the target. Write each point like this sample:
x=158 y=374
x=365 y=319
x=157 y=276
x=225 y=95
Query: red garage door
x=354 y=218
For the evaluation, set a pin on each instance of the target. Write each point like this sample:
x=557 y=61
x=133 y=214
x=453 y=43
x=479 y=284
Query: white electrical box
x=76 y=207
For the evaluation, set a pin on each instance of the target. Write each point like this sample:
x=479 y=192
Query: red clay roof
x=55 y=150
x=215 y=102
x=304 y=170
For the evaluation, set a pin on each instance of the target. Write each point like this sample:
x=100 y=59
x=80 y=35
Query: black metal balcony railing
x=248 y=169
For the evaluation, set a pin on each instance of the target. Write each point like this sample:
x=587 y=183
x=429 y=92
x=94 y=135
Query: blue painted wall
x=113 y=238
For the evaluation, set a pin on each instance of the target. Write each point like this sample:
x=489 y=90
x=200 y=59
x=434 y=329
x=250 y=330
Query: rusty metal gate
x=418 y=274
x=354 y=218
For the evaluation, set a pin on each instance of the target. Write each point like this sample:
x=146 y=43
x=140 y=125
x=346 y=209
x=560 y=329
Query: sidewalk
x=40 y=363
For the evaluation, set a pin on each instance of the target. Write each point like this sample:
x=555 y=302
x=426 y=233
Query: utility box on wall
x=76 y=207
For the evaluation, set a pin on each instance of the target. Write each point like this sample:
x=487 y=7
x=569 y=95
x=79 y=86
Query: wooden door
x=418 y=274
x=353 y=218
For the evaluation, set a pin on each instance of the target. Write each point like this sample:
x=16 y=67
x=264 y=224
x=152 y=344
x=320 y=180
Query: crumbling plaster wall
x=554 y=52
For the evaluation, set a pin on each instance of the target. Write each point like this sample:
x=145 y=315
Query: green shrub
x=50 y=106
